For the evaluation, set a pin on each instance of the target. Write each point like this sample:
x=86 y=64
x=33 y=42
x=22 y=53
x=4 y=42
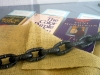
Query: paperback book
x=12 y=20
x=89 y=16
x=72 y=29
x=47 y=22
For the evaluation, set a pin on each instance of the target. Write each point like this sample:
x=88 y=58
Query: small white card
x=22 y=13
x=56 y=12
x=88 y=16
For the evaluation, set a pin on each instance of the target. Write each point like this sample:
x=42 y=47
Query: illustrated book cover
x=47 y=22
x=12 y=20
x=72 y=29
x=89 y=16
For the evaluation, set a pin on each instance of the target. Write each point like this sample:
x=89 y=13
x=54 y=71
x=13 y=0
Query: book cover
x=22 y=13
x=47 y=22
x=72 y=29
x=89 y=16
x=12 y=20
x=56 y=12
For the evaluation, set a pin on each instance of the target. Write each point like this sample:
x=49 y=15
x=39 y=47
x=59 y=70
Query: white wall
x=27 y=2
x=55 y=1
x=87 y=0
x=15 y=2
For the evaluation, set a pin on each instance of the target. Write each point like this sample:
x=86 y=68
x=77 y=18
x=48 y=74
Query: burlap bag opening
x=18 y=39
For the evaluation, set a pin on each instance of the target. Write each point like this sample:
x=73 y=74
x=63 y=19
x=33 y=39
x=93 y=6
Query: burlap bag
x=18 y=39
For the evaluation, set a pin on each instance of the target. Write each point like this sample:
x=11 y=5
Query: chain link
x=9 y=64
x=41 y=52
x=40 y=55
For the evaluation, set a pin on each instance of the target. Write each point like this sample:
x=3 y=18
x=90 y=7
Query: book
x=12 y=20
x=26 y=13
x=47 y=22
x=72 y=29
x=56 y=12
x=89 y=16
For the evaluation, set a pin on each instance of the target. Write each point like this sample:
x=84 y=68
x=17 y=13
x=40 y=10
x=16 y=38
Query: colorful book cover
x=22 y=13
x=56 y=12
x=47 y=22
x=89 y=16
x=73 y=29
x=12 y=20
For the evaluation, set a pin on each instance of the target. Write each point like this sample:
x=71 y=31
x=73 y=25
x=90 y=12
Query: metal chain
x=29 y=56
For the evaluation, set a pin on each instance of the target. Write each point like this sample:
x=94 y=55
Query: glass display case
x=74 y=27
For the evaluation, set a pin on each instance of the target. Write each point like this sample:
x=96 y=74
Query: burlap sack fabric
x=18 y=39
